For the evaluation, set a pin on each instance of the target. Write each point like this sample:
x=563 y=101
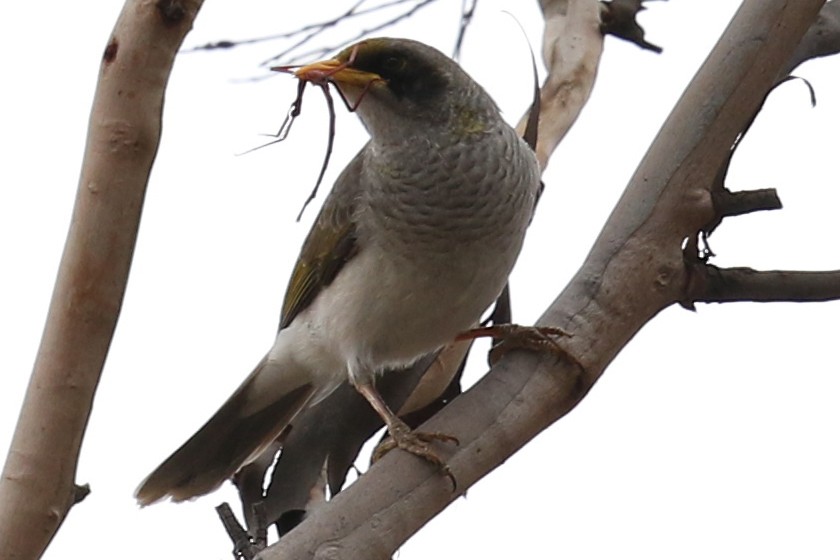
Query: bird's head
x=394 y=82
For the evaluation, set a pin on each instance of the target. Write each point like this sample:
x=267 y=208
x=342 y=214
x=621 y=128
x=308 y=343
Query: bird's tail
x=237 y=433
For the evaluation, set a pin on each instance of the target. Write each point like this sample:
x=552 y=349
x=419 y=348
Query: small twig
x=729 y=203
x=319 y=27
x=330 y=142
x=467 y=13
x=243 y=546
x=319 y=52
x=309 y=32
x=80 y=492
x=323 y=79
x=300 y=43
x=710 y=284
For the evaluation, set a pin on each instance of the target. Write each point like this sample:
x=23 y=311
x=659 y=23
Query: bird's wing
x=234 y=434
x=238 y=430
x=330 y=244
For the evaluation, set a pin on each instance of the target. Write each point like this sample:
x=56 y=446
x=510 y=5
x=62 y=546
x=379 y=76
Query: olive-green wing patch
x=324 y=254
x=329 y=245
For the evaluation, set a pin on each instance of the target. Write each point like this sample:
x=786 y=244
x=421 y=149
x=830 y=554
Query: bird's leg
x=416 y=443
x=511 y=337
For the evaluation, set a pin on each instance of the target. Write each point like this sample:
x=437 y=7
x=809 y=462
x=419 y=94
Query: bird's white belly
x=381 y=313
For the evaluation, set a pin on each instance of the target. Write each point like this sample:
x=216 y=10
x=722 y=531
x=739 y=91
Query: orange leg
x=416 y=443
x=511 y=336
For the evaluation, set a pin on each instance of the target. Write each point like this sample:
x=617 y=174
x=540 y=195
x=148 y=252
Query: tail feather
x=234 y=435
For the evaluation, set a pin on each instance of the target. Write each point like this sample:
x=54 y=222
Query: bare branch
x=573 y=41
x=243 y=546
x=728 y=204
x=710 y=284
x=323 y=51
x=312 y=30
x=37 y=487
x=80 y=492
x=308 y=33
x=572 y=47
x=467 y=13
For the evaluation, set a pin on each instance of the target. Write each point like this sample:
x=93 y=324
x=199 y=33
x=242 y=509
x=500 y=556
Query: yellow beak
x=337 y=71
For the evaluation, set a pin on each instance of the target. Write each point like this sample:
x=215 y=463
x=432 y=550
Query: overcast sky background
x=713 y=434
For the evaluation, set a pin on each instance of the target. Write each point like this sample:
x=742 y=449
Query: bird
x=415 y=240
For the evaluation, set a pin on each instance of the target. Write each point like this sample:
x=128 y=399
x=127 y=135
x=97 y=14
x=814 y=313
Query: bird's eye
x=394 y=64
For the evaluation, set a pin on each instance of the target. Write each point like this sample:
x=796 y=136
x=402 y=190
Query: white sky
x=714 y=434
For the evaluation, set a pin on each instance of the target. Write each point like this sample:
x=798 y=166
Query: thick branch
x=637 y=253
x=37 y=488
x=710 y=284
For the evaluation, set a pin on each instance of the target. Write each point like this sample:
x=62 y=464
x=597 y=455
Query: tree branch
x=710 y=284
x=822 y=38
x=573 y=42
x=308 y=33
x=730 y=204
x=572 y=47
x=37 y=487
x=242 y=546
x=634 y=271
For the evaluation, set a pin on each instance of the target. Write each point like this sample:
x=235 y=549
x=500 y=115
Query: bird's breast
x=452 y=196
x=439 y=226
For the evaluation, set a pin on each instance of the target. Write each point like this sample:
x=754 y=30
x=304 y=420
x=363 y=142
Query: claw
x=401 y=436
x=417 y=443
x=514 y=337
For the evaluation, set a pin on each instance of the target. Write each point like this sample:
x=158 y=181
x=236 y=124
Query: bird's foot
x=514 y=337
x=416 y=443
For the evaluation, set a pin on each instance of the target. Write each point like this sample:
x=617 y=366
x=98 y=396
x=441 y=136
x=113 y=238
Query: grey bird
x=415 y=240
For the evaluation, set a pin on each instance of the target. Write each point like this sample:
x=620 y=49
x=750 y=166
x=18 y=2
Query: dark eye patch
x=394 y=64
x=409 y=74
